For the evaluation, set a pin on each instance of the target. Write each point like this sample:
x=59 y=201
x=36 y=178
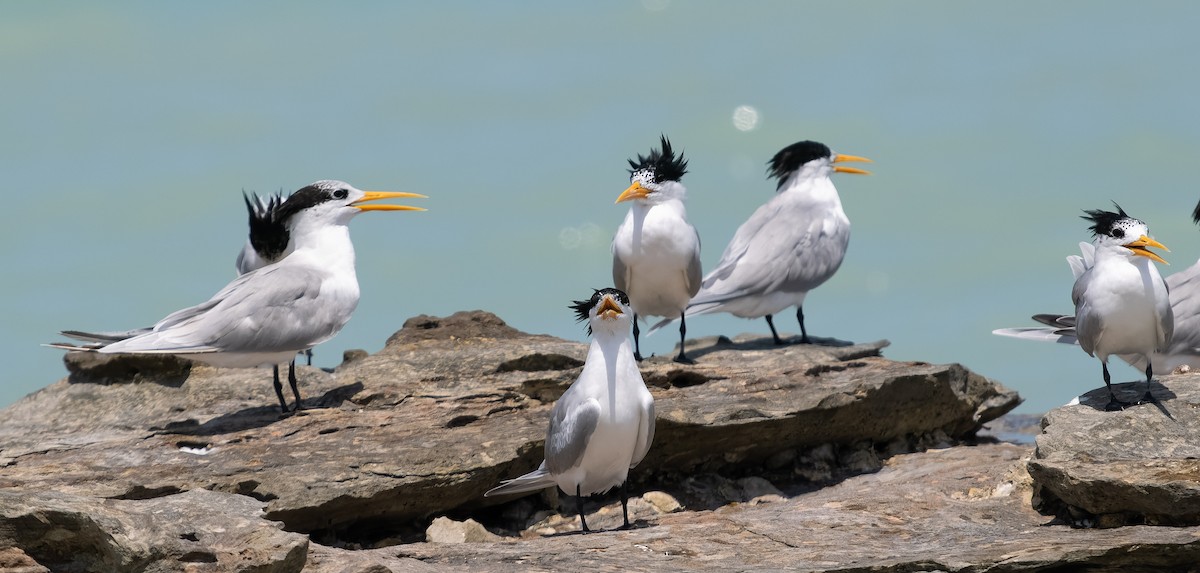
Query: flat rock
x=961 y=509
x=1137 y=465
x=451 y=406
x=199 y=530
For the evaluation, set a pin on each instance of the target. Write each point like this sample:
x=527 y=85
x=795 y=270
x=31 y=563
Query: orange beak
x=843 y=169
x=377 y=195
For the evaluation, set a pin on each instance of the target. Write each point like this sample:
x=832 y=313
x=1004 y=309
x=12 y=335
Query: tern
x=656 y=251
x=789 y=246
x=604 y=423
x=267 y=243
x=1121 y=302
x=1183 y=297
x=267 y=315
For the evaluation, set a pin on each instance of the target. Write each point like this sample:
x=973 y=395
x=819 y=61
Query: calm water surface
x=131 y=129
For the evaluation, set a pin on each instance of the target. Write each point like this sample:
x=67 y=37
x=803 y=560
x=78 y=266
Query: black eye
x=1118 y=233
x=341 y=194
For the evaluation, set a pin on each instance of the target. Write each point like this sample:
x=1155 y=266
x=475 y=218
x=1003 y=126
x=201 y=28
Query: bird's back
x=790 y=246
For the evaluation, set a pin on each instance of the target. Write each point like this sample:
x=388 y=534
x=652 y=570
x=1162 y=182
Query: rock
x=1138 y=465
x=446 y=530
x=914 y=514
x=194 y=529
x=662 y=501
x=453 y=405
x=13 y=560
x=365 y=448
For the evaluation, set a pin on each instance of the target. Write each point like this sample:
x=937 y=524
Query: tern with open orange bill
x=302 y=295
x=788 y=247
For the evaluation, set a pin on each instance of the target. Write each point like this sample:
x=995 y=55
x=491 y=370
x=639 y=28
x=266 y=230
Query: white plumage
x=603 y=424
x=656 y=251
x=789 y=246
x=266 y=315
x=1121 y=302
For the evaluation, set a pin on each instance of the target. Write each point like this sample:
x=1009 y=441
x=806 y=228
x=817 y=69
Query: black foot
x=638 y=356
x=804 y=339
x=684 y=359
x=1148 y=399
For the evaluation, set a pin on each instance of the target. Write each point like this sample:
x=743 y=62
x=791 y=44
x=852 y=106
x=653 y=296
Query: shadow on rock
x=108 y=369
x=1131 y=393
x=258 y=417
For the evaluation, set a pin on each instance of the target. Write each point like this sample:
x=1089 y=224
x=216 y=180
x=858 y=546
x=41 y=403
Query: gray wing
x=272 y=309
x=645 y=433
x=571 y=426
x=620 y=273
x=695 y=276
x=1185 y=305
x=1088 y=326
x=777 y=249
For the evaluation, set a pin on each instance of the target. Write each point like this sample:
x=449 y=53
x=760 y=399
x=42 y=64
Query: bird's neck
x=640 y=209
x=327 y=246
x=617 y=353
x=816 y=190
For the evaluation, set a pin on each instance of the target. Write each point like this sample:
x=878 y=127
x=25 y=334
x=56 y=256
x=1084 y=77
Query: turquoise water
x=131 y=129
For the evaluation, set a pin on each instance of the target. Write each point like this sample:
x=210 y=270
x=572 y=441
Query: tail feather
x=659 y=325
x=532 y=481
x=1045 y=334
x=104 y=336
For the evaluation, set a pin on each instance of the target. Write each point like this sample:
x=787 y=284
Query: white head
x=329 y=202
x=606 y=312
x=1116 y=230
x=656 y=178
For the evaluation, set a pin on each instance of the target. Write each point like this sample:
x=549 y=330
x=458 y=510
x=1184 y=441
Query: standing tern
x=267 y=315
x=789 y=246
x=604 y=423
x=267 y=243
x=656 y=251
x=1121 y=302
x=1183 y=296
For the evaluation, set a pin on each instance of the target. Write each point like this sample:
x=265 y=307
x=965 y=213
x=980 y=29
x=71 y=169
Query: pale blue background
x=128 y=131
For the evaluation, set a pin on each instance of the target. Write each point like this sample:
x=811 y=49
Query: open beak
x=843 y=169
x=1139 y=248
x=609 y=308
x=377 y=195
x=635 y=191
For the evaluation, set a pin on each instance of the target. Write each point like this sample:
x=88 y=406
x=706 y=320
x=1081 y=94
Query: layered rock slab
x=1137 y=465
x=448 y=408
x=961 y=509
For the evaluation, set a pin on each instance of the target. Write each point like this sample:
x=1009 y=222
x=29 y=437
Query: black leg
x=1113 y=404
x=308 y=356
x=637 y=349
x=279 y=390
x=771 y=323
x=579 y=508
x=625 y=503
x=800 y=319
x=292 y=381
x=682 y=359
x=1148 y=398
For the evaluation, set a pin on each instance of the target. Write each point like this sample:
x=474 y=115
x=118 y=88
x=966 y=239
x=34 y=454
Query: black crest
x=1103 y=222
x=268 y=234
x=583 y=308
x=663 y=163
x=306 y=197
x=793 y=157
